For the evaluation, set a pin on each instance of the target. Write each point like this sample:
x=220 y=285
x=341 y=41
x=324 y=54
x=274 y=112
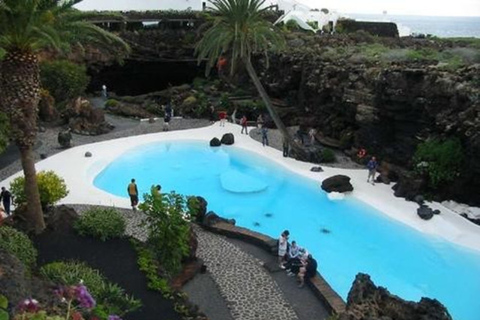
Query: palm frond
x=239 y=30
x=32 y=25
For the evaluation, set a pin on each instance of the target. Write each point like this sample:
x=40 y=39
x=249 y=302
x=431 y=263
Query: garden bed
x=116 y=259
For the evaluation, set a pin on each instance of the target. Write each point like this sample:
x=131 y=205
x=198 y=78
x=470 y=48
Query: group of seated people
x=295 y=259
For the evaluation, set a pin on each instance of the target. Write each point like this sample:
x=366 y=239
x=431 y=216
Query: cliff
x=386 y=108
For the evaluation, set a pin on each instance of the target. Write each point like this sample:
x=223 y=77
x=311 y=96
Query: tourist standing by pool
x=282 y=247
x=223 y=118
x=133 y=194
x=260 y=122
x=372 y=169
x=243 y=122
x=212 y=113
x=264 y=131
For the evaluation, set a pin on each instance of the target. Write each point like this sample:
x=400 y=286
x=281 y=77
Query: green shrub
x=63 y=79
x=111 y=103
x=168 y=228
x=422 y=54
x=148 y=264
x=52 y=188
x=19 y=245
x=328 y=156
x=440 y=160
x=101 y=223
x=2 y=53
x=154 y=108
x=71 y=273
x=292 y=25
x=111 y=299
x=3 y=308
x=199 y=83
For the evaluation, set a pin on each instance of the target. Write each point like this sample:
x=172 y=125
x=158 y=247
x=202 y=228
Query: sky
x=392 y=7
x=404 y=7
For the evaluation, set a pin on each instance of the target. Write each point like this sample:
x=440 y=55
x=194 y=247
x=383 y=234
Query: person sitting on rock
x=293 y=255
x=309 y=270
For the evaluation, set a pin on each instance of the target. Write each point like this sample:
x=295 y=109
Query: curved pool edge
x=80 y=171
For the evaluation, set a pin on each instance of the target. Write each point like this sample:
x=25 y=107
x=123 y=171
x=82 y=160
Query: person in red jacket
x=222 y=115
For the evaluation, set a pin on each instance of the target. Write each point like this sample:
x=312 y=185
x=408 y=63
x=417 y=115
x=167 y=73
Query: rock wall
x=367 y=301
x=381 y=29
x=386 y=109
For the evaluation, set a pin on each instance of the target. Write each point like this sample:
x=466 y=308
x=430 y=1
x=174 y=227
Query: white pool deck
x=80 y=171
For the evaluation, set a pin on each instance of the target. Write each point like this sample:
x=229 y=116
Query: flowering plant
x=79 y=306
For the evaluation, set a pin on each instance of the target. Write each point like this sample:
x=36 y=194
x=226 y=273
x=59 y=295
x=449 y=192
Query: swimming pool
x=346 y=237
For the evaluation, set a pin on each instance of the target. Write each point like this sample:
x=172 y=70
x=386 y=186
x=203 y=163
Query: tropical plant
x=328 y=156
x=101 y=223
x=440 y=160
x=19 y=245
x=64 y=80
x=240 y=31
x=111 y=299
x=167 y=222
x=51 y=188
x=26 y=28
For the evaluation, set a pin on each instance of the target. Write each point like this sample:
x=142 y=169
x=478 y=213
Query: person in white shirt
x=282 y=247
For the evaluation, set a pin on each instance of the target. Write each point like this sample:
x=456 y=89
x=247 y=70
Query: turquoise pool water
x=268 y=198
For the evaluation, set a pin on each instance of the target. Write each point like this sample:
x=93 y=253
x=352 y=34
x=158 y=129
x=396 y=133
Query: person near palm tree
x=241 y=30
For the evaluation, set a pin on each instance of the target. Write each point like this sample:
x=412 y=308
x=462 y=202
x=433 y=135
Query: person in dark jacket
x=309 y=270
x=6 y=198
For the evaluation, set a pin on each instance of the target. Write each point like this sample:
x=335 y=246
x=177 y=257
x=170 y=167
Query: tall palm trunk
x=273 y=113
x=20 y=86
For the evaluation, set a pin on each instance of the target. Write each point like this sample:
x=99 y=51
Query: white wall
x=139 y=5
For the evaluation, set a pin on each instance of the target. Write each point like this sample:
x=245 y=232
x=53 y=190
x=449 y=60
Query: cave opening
x=141 y=77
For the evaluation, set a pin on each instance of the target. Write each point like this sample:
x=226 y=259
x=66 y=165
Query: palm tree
x=27 y=27
x=240 y=30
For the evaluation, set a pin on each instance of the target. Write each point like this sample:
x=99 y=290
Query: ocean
x=444 y=27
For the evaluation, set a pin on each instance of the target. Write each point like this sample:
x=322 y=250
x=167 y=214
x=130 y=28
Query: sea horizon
x=439 y=26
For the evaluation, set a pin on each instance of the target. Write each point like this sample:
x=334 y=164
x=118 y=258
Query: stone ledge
x=324 y=292
x=188 y=272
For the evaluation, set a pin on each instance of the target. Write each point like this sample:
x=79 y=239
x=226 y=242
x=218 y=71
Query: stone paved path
x=249 y=291
x=246 y=286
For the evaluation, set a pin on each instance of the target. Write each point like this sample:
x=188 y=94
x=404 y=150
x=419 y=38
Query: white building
x=140 y=5
x=294 y=10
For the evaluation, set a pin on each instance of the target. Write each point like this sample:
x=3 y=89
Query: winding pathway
x=248 y=289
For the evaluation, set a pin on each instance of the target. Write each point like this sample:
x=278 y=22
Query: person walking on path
x=260 y=121
x=133 y=194
x=212 y=113
x=282 y=247
x=6 y=198
x=286 y=148
x=243 y=122
x=104 y=92
x=372 y=169
x=223 y=118
x=264 y=136
x=312 y=134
